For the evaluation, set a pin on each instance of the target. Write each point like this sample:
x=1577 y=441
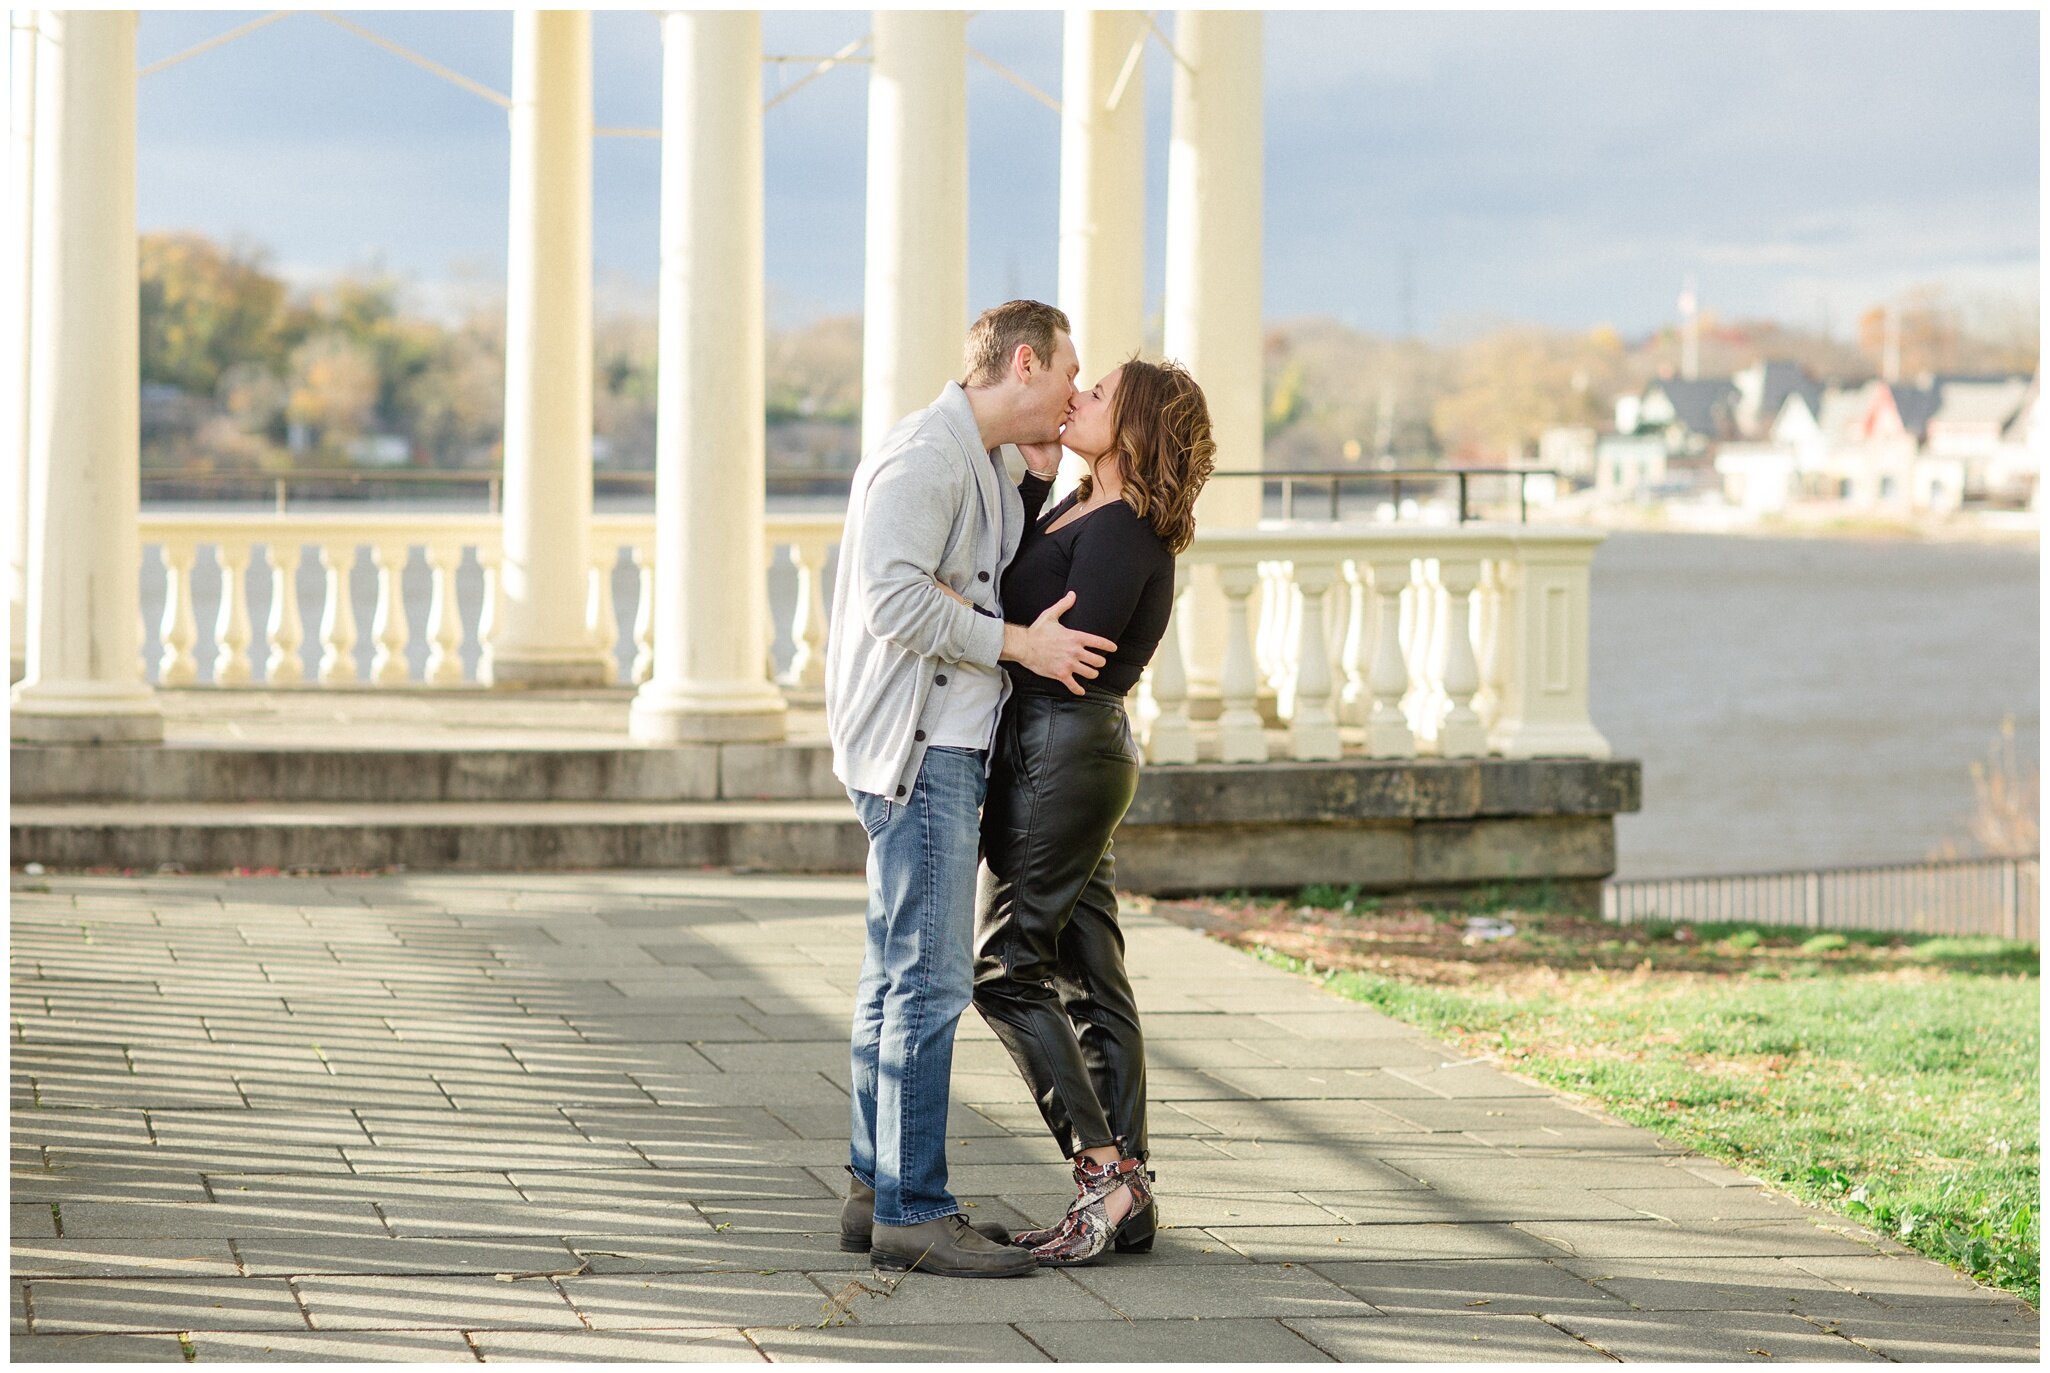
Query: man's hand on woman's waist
x=1051 y=649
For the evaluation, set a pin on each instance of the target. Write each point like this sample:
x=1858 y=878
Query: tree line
x=242 y=372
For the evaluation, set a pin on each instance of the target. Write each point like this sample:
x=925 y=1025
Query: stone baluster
x=1357 y=607
x=231 y=622
x=444 y=617
x=644 y=616
x=1241 y=735
x=1388 y=731
x=389 y=630
x=1172 y=738
x=1270 y=625
x=177 y=666
x=488 y=613
x=1413 y=620
x=600 y=611
x=808 y=665
x=1457 y=674
x=286 y=632
x=338 y=618
x=1313 y=730
x=1487 y=701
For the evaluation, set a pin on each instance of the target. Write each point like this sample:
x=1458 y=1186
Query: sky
x=1426 y=172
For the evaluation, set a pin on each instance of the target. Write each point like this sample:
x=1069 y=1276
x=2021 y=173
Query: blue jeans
x=917 y=977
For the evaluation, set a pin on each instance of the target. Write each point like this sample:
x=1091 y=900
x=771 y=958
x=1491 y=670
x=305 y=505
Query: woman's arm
x=1042 y=465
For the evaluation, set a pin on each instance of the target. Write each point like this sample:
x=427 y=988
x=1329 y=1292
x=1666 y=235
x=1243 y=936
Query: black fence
x=1985 y=896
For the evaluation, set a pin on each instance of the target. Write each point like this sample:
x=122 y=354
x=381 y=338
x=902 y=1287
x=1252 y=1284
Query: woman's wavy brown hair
x=1160 y=426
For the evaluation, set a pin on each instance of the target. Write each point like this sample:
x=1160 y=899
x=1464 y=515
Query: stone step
x=213 y=772
x=781 y=836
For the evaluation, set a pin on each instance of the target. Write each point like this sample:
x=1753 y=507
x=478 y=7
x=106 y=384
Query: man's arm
x=910 y=511
x=1051 y=649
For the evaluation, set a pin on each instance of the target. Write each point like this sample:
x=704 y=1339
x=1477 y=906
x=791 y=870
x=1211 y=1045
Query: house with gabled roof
x=1692 y=413
x=1762 y=391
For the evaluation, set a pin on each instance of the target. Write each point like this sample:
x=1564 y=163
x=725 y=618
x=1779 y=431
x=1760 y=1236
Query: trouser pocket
x=874 y=812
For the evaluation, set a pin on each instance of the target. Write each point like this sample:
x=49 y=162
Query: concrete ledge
x=1411 y=825
x=214 y=773
x=1167 y=860
x=1383 y=789
x=771 y=836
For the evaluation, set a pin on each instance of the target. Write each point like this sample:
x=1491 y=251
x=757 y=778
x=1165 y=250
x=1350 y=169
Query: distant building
x=1758 y=477
x=1568 y=450
x=1691 y=414
x=1762 y=390
x=1629 y=466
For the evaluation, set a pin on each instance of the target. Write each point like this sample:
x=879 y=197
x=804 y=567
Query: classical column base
x=84 y=713
x=707 y=713
x=524 y=670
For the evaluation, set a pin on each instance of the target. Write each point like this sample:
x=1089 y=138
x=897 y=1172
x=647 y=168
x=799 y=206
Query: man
x=912 y=696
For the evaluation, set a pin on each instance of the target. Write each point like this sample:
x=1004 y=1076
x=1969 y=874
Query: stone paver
x=602 y=1117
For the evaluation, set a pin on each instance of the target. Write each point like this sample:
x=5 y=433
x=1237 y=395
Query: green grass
x=1892 y=1080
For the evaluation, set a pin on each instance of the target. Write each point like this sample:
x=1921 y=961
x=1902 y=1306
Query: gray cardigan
x=927 y=501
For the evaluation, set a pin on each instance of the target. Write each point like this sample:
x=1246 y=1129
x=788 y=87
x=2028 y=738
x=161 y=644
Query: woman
x=1050 y=976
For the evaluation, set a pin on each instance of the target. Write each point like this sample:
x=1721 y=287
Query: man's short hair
x=996 y=336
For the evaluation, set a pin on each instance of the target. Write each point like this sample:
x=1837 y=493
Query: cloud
x=1564 y=168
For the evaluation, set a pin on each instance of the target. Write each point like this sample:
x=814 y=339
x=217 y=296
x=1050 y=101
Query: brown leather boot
x=858 y=1219
x=950 y=1248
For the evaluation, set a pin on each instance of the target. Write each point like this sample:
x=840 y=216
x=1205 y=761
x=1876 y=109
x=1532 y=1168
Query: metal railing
x=368 y=483
x=1289 y=478
x=1985 y=896
x=372 y=483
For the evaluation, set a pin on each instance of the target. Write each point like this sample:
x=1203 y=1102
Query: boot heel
x=1135 y=1235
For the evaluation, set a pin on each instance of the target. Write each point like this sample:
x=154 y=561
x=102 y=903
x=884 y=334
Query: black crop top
x=1122 y=576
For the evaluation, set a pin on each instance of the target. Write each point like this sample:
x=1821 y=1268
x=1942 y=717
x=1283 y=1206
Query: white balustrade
x=1313 y=732
x=178 y=666
x=1170 y=735
x=444 y=617
x=338 y=617
x=1387 y=641
x=389 y=629
x=231 y=624
x=1241 y=735
x=286 y=632
x=807 y=672
x=1358 y=604
x=1455 y=672
x=644 y=616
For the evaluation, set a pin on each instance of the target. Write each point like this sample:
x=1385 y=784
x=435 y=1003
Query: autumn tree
x=205 y=308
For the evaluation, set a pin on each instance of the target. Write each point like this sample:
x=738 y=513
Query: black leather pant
x=1050 y=959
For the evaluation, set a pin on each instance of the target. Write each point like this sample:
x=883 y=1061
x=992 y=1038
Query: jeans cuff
x=940 y=1213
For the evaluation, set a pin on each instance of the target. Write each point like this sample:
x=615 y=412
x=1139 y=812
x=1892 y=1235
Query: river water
x=1794 y=702
x=1807 y=702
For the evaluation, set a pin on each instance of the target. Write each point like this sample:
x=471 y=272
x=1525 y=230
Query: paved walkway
x=602 y=1116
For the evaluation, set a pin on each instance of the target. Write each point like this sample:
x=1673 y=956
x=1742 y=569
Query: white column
x=83 y=681
x=1212 y=301
x=1103 y=191
x=14 y=302
x=710 y=681
x=541 y=638
x=915 y=292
